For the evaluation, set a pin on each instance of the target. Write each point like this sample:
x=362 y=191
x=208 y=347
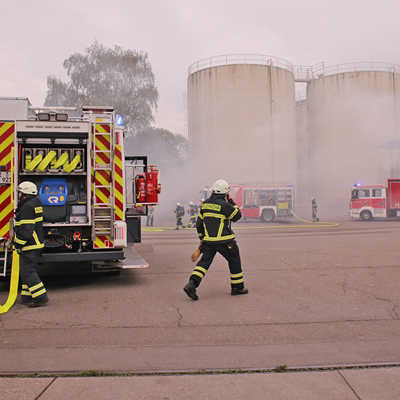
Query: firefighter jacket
x=179 y=211
x=29 y=225
x=214 y=221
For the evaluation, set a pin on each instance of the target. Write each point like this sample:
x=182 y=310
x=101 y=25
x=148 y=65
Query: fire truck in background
x=375 y=201
x=92 y=194
x=265 y=202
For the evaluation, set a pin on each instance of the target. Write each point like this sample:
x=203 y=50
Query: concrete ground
x=370 y=384
x=319 y=296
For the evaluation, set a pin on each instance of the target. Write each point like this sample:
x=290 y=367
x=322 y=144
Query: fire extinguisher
x=140 y=183
x=152 y=185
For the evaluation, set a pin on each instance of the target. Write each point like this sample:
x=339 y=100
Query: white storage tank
x=353 y=124
x=242 y=119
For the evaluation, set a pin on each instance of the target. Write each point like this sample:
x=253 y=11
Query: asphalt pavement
x=320 y=296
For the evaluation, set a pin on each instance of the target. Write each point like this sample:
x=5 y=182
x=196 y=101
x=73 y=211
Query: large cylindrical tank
x=353 y=115
x=242 y=119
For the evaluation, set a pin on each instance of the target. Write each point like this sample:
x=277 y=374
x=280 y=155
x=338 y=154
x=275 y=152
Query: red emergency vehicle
x=375 y=201
x=92 y=193
x=265 y=202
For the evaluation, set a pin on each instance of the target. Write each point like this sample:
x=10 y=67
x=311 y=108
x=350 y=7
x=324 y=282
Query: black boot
x=26 y=300
x=237 y=291
x=190 y=290
x=39 y=303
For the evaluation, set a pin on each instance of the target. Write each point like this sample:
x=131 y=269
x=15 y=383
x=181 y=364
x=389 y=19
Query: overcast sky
x=36 y=36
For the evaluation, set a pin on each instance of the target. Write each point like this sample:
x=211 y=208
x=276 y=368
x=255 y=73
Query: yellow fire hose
x=47 y=160
x=13 y=293
x=312 y=222
x=68 y=167
x=61 y=161
x=34 y=163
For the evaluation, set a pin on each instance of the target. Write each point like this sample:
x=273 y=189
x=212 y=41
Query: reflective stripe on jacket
x=29 y=225
x=214 y=220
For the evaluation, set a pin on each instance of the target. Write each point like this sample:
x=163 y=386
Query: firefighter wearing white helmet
x=221 y=187
x=28 y=241
x=214 y=230
x=27 y=188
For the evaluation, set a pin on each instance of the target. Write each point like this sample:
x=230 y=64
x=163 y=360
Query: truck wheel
x=366 y=215
x=268 y=215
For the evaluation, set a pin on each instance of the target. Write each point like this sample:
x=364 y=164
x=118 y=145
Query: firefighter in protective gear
x=314 y=209
x=192 y=210
x=28 y=241
x=214 y=229
x=179 y=213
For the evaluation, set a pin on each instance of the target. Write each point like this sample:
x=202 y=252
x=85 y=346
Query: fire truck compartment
x=64 y=199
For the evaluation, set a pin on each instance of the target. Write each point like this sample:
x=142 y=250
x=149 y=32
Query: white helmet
x=221 y=187
x=178 y=204
x=27 y=188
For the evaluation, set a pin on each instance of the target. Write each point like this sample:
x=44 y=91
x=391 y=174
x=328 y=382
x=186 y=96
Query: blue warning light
x=119 y=119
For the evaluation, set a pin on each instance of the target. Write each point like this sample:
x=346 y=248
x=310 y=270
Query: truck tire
x=365 y=215
x=268 y=215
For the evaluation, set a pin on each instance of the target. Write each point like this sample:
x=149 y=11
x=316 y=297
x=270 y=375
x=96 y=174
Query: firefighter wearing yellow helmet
x=28 y=241
x=214 y=230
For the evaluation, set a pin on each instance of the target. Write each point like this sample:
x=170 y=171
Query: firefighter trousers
x=230 y=251
x=179 y=222
x=32 y=286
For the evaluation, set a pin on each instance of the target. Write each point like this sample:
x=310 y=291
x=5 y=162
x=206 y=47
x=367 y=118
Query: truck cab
x=368 y=202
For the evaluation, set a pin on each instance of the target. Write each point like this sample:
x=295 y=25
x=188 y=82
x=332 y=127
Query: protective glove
x=196 y=255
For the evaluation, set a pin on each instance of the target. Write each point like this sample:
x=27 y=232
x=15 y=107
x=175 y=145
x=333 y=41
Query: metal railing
x=232 y=59
x=307 y=73
x=363 y=66
x=302 y=73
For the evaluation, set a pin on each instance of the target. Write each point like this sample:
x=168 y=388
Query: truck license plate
x=5 y=178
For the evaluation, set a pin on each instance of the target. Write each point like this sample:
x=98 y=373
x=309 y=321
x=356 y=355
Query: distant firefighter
x=314 y=209
x=179 y=213
x=192 y=210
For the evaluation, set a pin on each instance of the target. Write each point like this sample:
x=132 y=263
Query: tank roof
x=240 y=59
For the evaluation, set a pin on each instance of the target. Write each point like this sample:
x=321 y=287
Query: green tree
x=109 y=77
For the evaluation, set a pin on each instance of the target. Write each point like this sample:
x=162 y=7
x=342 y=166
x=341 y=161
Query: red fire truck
x=375 y=201
x=265 y=202
x=92 y=194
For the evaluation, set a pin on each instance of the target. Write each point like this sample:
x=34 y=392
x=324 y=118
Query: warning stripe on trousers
x=118 y=184
x=6 y=143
